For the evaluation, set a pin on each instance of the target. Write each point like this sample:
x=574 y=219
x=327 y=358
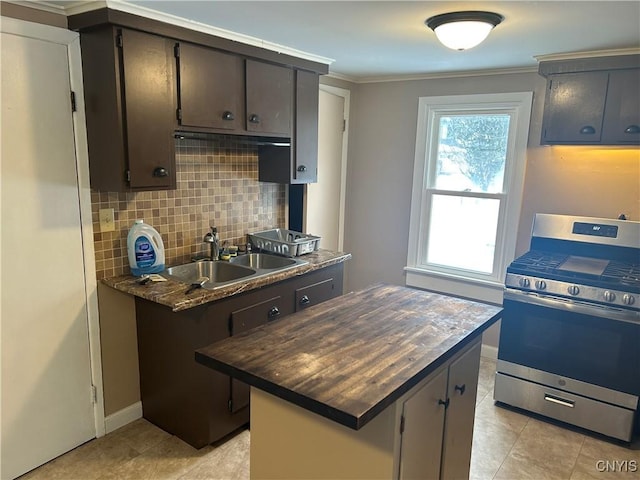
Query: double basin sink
x=236 y=270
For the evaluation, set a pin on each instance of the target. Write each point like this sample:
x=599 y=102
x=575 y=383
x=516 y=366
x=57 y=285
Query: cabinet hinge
x=230 y=405
x=119 y=40
x=94 y=394
x=73 y=101
x=179 y=113
x=344 y=124
x=402 y=424
x=176 y=50
x=128 y=175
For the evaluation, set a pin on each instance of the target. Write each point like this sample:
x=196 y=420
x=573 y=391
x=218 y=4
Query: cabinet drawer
x=316 y=293
x=246 y=319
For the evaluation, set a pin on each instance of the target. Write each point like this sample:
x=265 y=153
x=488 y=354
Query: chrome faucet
x=212 y=239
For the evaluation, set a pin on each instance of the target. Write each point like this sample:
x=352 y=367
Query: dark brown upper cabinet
x=269 y=95
x=592 y=102
x=130 y=106
x=210 y=88
x=299 y=163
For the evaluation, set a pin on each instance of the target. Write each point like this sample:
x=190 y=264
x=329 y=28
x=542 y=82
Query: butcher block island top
x=349 y=358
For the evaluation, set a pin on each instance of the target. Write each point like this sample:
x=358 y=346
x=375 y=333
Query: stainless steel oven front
x=574 y=361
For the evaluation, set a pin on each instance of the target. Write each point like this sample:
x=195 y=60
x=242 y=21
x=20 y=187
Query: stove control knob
x=573 y=290
x=541 y=284
x=628 y=299
x=609 y=296
x=524 y=282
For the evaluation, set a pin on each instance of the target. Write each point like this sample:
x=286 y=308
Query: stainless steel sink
x=263 y=261
x=219 y=273
x=238 y=269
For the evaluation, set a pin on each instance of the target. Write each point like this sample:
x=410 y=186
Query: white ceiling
x=372 y=39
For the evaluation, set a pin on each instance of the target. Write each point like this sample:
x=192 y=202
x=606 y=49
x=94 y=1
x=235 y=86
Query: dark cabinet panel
x=574 y=108
x=314 y=294
x=305 y=160
x=622 y=112
x=246 y=319
x=211 y=88
x=592 y=101
x=269 y=96
x=297 y=164
x=130 y=105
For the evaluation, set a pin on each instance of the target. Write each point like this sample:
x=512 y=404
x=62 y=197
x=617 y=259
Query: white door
x=47 y=407
x=324 y=213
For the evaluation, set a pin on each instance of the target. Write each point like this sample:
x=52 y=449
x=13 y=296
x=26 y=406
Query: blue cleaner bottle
x=146 y=249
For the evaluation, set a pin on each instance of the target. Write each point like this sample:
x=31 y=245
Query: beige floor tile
x=86 y=462
x=141 y=435
x=543 y=451
x=227 y=461
x=495 y=432
x=602 y=459
x=169 y=459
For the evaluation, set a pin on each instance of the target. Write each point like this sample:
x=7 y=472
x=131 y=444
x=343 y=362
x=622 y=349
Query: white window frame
x=465 y=283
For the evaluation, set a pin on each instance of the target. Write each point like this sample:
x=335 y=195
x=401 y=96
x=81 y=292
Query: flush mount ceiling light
x=463 y=30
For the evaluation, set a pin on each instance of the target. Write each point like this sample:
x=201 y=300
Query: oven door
x=594 y=344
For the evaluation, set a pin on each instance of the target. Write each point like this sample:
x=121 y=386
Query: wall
x=32 y=15
x=217 y=185
x=594 y=181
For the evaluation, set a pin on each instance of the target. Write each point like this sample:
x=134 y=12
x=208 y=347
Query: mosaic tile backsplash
x=217 y=185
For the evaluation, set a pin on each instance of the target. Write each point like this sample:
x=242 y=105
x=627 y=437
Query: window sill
x=476 y=289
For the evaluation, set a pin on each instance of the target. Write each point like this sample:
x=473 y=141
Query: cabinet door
x=423 y=421
x=622 y=111
x=574 y=108
x=269 y=94
x=211 y=87
x=305 y=158
x=316 y=293
x=148 y=70
x=458 y=431
x=246 y=319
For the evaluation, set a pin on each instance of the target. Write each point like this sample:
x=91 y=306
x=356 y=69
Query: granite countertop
x=349 y=358
x=172 y=293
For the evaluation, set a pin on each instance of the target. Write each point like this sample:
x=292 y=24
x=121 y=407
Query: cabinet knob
x=160 y=172
x=302 y=168
x=273 y=313
x=253 y=118
x=587 y=130
x=460 y=388
x=228 y=116
x=632 y=129
x=444 y=402
x=304 y=300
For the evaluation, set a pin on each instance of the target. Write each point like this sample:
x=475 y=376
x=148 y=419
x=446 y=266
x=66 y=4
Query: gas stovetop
x=583 y=258
x=617 y=275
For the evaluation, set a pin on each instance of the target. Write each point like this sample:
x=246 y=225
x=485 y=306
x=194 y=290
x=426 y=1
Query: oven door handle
x=609 y=312
x=559 y=401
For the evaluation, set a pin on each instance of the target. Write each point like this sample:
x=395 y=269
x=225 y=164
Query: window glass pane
x=462 y=232
x=472 y=151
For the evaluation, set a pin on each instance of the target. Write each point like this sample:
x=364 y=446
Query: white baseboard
x=123 y=417
x=489 y=351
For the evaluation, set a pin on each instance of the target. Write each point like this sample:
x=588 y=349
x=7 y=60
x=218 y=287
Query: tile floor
x=507 y=445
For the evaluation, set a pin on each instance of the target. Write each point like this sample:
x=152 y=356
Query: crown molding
x=587 y=54
x=76 y=7
x=440 y=75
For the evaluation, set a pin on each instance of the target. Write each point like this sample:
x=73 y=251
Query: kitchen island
x=379 y=383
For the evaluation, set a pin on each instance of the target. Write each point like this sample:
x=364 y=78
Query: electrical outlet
x=107 y=220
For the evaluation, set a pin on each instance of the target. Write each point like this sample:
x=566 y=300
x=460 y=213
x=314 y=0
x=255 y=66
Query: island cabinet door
x=421 y=429
x=458 y=429
x=245 y=319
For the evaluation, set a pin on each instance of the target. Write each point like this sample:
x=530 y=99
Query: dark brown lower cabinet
x=189 y=400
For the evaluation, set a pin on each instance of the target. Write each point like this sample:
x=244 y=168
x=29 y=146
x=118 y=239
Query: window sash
x=431 y=109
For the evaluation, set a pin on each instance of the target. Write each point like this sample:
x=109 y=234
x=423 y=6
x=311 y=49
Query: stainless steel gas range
x=570 y=335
